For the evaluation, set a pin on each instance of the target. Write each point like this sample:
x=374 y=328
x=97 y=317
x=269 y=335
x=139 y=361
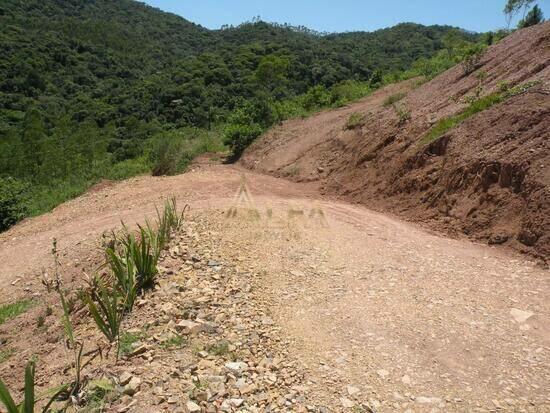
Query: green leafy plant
x=13 y=202
x=30 y=399
x=106 y=310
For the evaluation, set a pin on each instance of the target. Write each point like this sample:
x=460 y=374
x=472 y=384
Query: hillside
x=466 y=152
x=104 y=89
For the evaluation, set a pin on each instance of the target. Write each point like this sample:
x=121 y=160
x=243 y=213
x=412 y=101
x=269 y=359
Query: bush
x=355 y=120
x=13 y=202
x=317 y=97
x=394 y=99
x=239 y=137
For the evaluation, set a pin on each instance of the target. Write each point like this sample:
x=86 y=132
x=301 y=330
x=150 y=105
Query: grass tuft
x=9 y=311
x=355 y=120
x=394 y=99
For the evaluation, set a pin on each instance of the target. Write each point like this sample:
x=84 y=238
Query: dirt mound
x=488 y=177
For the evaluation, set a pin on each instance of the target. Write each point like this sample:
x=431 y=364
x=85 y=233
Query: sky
x=344 y=15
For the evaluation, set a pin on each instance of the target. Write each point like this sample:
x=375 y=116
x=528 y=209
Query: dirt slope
x=488 y=178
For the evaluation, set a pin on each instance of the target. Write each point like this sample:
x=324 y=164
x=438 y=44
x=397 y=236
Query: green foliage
x=238 y=137
x=133 y=261
x=175 y=341
x=9 y=311
x=30 y=399
x=105 y=310
x=478 y=105
x=111 y=89
x=535 y=16
x=355 y=120
x=13 y=201
x=6 y=354
x=446 y=124
x=391 y=100
x=127 y=341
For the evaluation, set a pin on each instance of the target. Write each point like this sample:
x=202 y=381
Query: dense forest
x=93 y=89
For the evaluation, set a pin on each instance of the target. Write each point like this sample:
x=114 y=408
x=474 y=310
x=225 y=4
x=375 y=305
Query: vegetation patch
x=356 y=120
x=6 y=354
x=394 y=99
x=175 y=341
x=479 y=105
x=9 y=311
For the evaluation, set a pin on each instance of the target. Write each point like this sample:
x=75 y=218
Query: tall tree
x=512 y=8
x=535 y=16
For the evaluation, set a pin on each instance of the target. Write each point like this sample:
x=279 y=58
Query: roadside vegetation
x=475 y=106
x=132 y=259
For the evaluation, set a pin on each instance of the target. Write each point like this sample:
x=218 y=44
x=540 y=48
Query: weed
x=99 y=392
x=127 y=341
x=176 y=341
x=30 y=398
x=40 y=321
x=6 y=354
x=403 y=113
x=9 y=311
x=391 y=100
x=293 y=170
x=219 y=348
x=355 y=120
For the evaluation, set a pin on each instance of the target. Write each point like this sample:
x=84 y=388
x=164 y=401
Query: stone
x=188 y=327
x=352 y=390
x=520 y=316
x=133 y=386
x=347 y=403
x=192 y=407
x=125 y=378
x=237 y=367
x=428 y=400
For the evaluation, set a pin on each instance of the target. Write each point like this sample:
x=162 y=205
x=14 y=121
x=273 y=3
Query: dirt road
x=375 y=306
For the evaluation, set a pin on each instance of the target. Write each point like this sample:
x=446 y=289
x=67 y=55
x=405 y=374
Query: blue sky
x=344 y=15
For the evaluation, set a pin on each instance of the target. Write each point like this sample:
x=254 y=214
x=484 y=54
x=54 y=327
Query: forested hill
x=85 y=85
x=104 y=60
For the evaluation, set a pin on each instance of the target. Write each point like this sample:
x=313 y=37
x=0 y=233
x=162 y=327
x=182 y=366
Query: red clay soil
x=488 y=178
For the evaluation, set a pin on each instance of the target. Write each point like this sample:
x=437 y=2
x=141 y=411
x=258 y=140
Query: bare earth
x=412 y=320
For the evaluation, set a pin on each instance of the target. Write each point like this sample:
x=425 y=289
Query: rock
x=520 y=316
x=192 y=407
x=352 y=390
x=125 y=378
x=428 y=400
x=406 y=379
x=188 y=327
x=383 y=373
x=133 y=386
x=347 y=403
x=236 y=368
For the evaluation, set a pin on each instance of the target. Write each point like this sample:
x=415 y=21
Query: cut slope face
x=488 y=177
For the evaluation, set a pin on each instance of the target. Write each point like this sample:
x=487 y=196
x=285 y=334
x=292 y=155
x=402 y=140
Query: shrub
x=238 y=137
x=13 y=202
x=355 y=120
x=471 y=58
x=403 y=113
x=317 y=97
x=394 y=99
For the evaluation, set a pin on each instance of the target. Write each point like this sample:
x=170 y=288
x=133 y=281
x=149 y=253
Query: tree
x=272 y=71
x=512 y=8
x=535 y=16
